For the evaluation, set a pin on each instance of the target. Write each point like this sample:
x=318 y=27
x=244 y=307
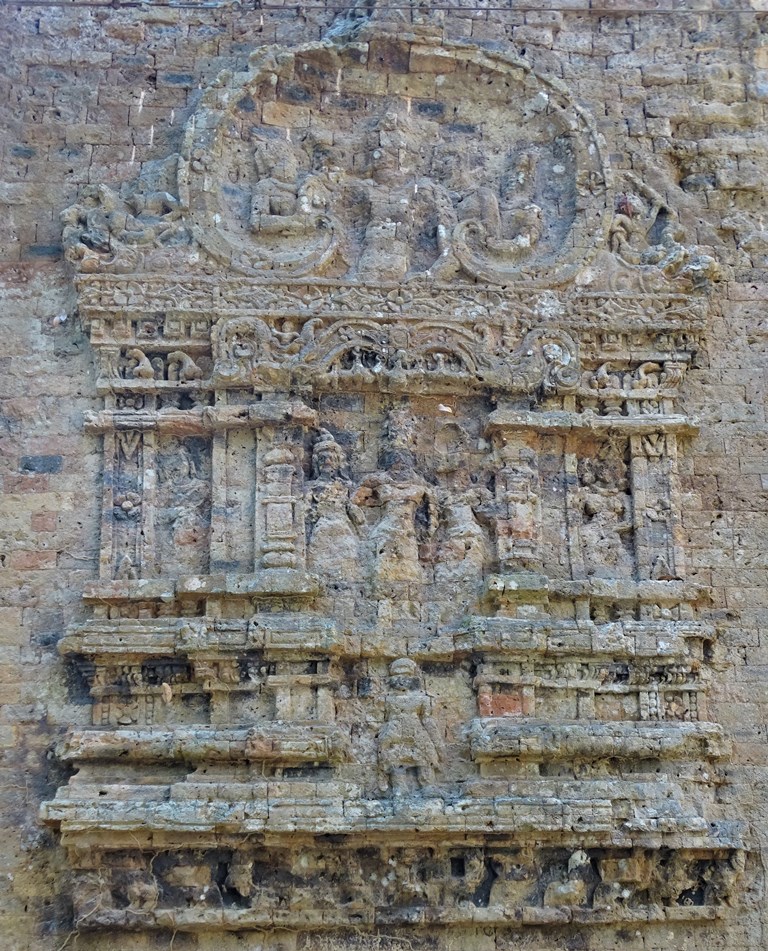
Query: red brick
x=44 y=522
x=31 y=560
x=21 y=484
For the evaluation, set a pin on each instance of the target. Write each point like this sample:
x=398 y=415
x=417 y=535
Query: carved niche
x=391 y=623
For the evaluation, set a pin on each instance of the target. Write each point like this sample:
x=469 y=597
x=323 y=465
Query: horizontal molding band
x=500 y=738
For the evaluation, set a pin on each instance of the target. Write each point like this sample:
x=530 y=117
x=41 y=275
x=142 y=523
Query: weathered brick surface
x=89 y=96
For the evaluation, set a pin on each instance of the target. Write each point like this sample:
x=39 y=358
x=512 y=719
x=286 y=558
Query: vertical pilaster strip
x=572 y=506
x=110 y=449
x=677 y=539
x=655 y=501
x=149 y=566
x=219 y=548
x=639 y=483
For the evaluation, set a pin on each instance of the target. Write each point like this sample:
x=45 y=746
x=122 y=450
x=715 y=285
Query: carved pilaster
x=280 y=523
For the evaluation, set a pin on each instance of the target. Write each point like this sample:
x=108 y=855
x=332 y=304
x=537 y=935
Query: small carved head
x=404 y=675
x=328 y=459
x=629 y=205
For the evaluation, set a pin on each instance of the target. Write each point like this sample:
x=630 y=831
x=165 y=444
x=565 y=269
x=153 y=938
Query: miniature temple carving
x=391 y=545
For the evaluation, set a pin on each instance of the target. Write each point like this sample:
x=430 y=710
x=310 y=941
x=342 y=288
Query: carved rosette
x=391 y=421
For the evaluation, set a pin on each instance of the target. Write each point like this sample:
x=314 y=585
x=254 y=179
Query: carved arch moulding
x=392 y=571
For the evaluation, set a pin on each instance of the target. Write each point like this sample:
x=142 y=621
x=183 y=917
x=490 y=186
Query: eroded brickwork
x=383 y=484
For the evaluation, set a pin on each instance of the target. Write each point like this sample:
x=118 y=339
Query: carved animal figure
x=182 y=367
x=143 y=369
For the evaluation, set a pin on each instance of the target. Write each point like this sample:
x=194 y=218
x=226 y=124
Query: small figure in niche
x=463 y=548
x=185 y=498
x=606 y=507
x=408 y=742
x=333 y=542
x=408 y=505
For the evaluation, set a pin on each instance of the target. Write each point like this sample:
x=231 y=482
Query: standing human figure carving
x=463 y=551
x=334 y=517
x=607 y=510
x=408 y=742
x=407 y=504
x=185 y=500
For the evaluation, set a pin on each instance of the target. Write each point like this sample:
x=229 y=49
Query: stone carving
x=392 y=355
x=334 y=544
x=516 y=508
x=142 y=895
x=573 y=887
x=436 y=884
x=122 y=528
x=500 y=229
x=361 y=327
x=288 y=211
x=607 y=516
x=611 y=318
x=401 y=208
x=407 y=504
x=282 y=518
x=646 y=389
x=386 y=193
x=645 y=232
x=141 y=368
x=389 y=195
x=408 y=744
x=126 y=230
x=182 y=368
x=463 y=549
x=183 y=510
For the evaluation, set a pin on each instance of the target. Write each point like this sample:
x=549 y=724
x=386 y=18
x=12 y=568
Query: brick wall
x=89 y=94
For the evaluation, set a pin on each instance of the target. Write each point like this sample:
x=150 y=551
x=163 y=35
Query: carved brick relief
x=392 y=587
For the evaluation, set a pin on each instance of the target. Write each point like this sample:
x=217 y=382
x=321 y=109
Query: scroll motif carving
x=138 y=227
x=393 y=356
x=392 y=195
x=645 y=233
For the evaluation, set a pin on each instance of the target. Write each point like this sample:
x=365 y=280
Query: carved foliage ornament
x=323 y=162
x=451 y=165
x=294 y=592
x=423 y=356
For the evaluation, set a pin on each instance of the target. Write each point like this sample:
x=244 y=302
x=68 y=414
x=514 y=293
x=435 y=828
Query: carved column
x=280 y=521
x=258 y=507
x=517 y=506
